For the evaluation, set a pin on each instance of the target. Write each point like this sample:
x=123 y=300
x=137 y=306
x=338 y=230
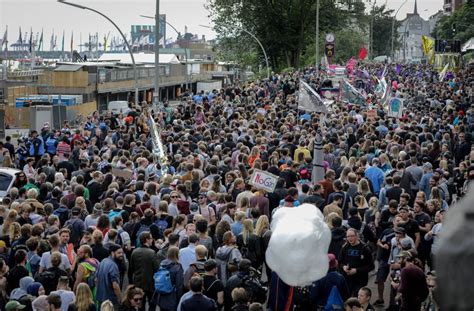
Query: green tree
x=286 y=28
x=459 y=25
x=382 y=37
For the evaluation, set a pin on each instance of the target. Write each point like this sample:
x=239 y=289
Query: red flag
x=362 y=53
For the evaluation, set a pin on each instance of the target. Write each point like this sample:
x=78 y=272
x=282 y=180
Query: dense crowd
x=96 y=221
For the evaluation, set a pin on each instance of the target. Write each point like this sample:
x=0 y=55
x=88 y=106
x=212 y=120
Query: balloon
x=299 y=244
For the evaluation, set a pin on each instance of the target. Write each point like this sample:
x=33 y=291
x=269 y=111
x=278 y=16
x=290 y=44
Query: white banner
x=309 y=100
x=263 y=180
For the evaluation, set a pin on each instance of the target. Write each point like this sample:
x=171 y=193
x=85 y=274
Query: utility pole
x=317 y=38
x=156 y=93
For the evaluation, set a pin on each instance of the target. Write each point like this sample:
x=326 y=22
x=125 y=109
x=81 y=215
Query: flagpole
x=318 y=157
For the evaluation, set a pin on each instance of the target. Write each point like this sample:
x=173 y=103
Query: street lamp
x=317 y=38
x=185 y=49
x=393 y=26
x=135 y=73
x=256 y=39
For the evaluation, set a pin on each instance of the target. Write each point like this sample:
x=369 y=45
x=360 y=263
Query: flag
x=105 y=43
x=428 y=48
x=72 y=41
x=350 y=66
x=30 y=48
x=351 y=94
x=40 y=43
x=4 y=40
x=362 y=53
x=309 y=100
x=20 y=40
x=443 y=72
x=51 y=42
x=398 y=69
x=62 y=44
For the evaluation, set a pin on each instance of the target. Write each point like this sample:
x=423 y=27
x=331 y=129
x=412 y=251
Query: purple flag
x=399 y=68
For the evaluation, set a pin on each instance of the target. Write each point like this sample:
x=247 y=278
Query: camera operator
x=248 y=278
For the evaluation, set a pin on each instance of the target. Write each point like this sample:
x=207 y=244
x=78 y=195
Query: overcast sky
x=49 y=15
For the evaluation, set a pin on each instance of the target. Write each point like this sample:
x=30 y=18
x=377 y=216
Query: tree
x=285 y=27
x=459 y=25
x=382 y=36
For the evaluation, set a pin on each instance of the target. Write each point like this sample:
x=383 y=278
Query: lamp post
x=135 y=73
x=317 y=38
x=393 y=26
x=258 y=41
x=185 y=49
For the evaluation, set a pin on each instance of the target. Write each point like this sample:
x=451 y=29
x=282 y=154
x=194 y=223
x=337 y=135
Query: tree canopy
x=459 y=25
x=287 y=29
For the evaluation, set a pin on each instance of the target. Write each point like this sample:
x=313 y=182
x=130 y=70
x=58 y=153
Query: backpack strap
x=212 y=284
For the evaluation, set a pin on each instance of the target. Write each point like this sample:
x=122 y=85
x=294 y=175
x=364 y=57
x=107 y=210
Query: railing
x=25 y=73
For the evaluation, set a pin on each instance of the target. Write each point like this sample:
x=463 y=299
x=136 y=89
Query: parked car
x=8 y=177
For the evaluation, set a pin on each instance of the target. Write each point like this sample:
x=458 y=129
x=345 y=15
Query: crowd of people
x=96 y=221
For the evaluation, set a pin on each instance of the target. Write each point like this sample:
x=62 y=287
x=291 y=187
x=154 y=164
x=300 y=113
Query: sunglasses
x=174 y=197
x=137 y=299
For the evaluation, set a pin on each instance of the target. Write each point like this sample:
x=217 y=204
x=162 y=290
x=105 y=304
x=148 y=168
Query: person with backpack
x=50 y=277
x=247 y=243
x=146 y=224
x=86 y=268
x=227 y=256
x=144 y=263
x=169 y=281
x=76 y=225
x=196 y=267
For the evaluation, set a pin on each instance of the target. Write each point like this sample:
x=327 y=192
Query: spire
x=415 y=12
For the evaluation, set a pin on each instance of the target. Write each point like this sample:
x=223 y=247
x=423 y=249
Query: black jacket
x=199 y=302
x=337 y=241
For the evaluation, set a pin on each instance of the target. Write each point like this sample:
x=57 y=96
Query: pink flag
x=362 y=53
x=350 y=65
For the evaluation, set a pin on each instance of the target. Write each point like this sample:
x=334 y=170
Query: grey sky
x=49 y=15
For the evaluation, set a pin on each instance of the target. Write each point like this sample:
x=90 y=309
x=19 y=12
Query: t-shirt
x=212 y=286
x=107 y=274
x=66 y=298
x=411 y=228
x=46 y=261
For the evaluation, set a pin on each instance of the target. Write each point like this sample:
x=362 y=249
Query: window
x=5 y=181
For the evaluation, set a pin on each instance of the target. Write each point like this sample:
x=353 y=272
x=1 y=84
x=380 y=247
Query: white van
x=118 y=106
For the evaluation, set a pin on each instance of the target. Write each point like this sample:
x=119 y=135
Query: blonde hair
x=107 y=306
x=262 y=224
x=247 y=229
x=83 y=297
x=11 y=218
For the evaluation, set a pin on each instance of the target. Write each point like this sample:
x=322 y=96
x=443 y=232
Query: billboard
x=144 y=35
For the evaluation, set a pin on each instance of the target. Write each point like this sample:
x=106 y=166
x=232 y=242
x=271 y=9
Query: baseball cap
x=12 y=305
x=428 y=165
x=245 y=264
x=404 y=254
x=405 y=243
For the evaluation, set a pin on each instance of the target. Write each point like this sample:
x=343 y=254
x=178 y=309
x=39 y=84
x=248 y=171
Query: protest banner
x=263 y=180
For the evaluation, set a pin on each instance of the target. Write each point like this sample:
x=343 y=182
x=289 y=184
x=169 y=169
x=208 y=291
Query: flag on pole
x=428 y=48
x=20 y=40
x=72 y=41
x=443 y=72
x=350 y=65
x=4 y=40
x=362 y=53
x=40 y=43
x=309 y=100
x=30 y=48
x=51 y=42
x=351 y=94
x=62 y=45
x=105 y=43
x=398 y=69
